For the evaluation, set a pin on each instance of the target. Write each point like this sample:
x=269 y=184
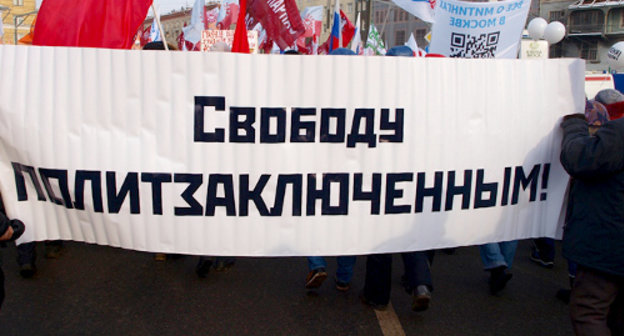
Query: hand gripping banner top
x=273 y=155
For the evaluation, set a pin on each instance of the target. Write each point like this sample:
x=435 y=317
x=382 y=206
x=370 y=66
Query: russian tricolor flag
x=334 y=42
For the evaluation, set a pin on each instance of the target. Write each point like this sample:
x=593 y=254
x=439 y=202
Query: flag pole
x=162 y=33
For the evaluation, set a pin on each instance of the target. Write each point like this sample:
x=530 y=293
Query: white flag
x=192 y=32
x=422 y=9
x=412 y=44
x=356 y=43
x=154 y=31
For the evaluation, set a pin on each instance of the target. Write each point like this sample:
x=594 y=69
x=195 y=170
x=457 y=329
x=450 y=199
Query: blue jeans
x=344 y=273
x=498 y=254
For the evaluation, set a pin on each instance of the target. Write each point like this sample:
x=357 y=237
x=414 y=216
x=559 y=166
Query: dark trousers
x=27 y=253
x=1 y=287
x=378 y=281
x=597 y=303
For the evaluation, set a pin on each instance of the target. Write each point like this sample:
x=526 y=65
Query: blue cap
x=342 y=51
x=401 y=50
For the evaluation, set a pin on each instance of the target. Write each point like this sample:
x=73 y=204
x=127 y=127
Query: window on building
x=420 y=37
x=556 y=50
x=583 y=18
x=18 y=2
x=589 y=51
x=350 y=8
x=556 y=16
x=399 y=37
x=396 y=15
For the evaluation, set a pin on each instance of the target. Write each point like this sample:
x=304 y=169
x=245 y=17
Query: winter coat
x=594 y=232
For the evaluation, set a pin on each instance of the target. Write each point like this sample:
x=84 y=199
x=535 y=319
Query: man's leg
x=378 y=279
x=26 y=256
x=495 y=262
x=317 y=273
x=590 y=301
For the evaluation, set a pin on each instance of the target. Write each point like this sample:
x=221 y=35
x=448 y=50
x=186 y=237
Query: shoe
x=537 y=258
x=422 y=298
x=498 y=279
x=160 y=257
x=563 y=295
x=53 y=251
x=342 y=286
x=224 y=264
x=376 y=306
x=315 y=278
x=203 y=268
x=27 y=271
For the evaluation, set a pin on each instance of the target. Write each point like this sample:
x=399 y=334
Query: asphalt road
x=98 y=290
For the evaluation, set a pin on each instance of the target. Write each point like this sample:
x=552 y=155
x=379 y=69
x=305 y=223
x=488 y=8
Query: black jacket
x=594 y=233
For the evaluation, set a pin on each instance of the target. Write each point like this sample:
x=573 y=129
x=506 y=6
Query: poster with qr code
x=477 y=29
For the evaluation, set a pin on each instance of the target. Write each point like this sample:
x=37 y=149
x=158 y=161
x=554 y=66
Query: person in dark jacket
x=10 y=230
x=594 y=233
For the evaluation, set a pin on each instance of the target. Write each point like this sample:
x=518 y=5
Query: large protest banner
x=478 y=29
x=233 y=154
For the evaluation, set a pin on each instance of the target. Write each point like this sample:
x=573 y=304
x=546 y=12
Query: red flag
x=228 y=14
x=145 y=35
x=280 y=19
x=347 y=29
x=89 y=23
x=240 y=43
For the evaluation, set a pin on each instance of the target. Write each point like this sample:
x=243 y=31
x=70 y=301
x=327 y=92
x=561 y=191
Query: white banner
x=273 y=155
x=478 y=29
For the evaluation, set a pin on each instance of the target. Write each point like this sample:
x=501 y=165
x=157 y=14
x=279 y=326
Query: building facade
x=17 y=17
x=592 y=27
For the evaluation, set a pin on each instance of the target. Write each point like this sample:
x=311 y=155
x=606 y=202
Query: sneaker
x=376 y=306
x=498 y=279
x=160 y=257
x=315 y=278
x=27 y=271
x=537 y=258
x=203 y=267
x=342 y=286
x=422 y=298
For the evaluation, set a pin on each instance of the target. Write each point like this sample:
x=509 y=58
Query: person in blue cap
x=417 y=277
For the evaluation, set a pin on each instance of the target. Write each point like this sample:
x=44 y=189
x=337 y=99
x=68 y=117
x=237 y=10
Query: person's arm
x=587 y=157
x=7 y=234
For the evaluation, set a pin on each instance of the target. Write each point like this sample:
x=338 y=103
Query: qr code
x=474 y=46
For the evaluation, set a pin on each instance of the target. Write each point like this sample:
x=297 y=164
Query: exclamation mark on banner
x=545 y=173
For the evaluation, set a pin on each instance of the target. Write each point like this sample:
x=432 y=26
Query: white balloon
x=615 y=56
x=536 y=28
x=555 y=31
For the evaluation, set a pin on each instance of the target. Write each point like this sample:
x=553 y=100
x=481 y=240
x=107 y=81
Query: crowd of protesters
x=593 y=243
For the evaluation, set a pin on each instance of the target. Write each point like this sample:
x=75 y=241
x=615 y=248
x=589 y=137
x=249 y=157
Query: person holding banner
x=417 y=277
x=10 y=230
x=593 y=236
x=317 y=264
